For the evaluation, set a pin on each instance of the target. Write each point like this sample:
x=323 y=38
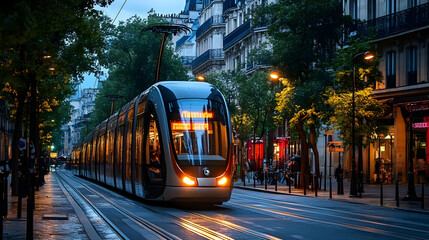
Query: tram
x=173 y=143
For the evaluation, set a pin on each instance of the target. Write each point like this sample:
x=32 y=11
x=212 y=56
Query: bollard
x=381 y=193
x=305 y=186
x=275 y=180
x=265 y=179
x=288 y=182
x=5 y=194
x=397 y=193
x=330 y=187
x=1 y=204
x=254 y=180
x=423 y=196
x=315 y=190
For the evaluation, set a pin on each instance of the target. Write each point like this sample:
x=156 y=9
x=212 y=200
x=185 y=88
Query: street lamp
x=356 y=185
x=201 y=78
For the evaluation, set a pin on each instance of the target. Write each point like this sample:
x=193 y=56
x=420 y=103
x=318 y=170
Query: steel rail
x=94 y=208
x=184 y=223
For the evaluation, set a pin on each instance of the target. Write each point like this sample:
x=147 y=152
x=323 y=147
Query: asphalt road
x=248 y=215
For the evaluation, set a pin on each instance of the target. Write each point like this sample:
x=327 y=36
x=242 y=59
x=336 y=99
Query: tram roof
x=173 y=90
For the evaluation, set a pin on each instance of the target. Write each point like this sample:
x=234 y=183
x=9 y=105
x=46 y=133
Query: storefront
x=280 y=154
x=255 y=154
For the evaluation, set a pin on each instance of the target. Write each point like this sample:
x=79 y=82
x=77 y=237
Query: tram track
x=159 y=232
x=284 y=212
x=184 y=222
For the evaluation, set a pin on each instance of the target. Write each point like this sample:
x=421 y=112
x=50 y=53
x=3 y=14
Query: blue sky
x=139 y=8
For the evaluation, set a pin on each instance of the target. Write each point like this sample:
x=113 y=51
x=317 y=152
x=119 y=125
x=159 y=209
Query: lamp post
x=356 y=184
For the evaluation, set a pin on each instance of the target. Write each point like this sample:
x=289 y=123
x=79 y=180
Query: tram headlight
x=189 y=181
x=222 y=181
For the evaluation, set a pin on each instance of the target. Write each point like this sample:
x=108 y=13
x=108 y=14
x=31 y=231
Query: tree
x=367 y=109
x=251 y=101
x=304 y=35
x=44 y=53
x=131 y=59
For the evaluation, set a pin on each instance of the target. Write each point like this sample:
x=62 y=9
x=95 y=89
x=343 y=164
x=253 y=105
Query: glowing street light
x=356 y=182
x=201 y=78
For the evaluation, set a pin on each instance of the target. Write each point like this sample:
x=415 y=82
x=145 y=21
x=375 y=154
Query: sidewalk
x=54 y=217
x=371 y=196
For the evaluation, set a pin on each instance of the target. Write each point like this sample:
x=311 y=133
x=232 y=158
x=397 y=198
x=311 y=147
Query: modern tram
x=173 y=143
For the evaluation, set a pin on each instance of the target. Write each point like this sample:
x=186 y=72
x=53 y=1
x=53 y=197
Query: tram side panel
x=118 y=159
x=129 y=140
x=138 y=155
x=110 y=151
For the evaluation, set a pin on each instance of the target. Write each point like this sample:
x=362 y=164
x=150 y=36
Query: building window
x=412 y=3
x=391 y=69
x=391 y=6
x=411 y=65
x=353 y=9
x=372 y=10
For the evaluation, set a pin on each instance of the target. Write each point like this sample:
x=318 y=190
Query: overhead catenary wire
x=119 y=12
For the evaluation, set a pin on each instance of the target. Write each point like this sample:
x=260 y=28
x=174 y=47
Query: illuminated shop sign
x=186 y=114
x=421 y=125
x=180 y=126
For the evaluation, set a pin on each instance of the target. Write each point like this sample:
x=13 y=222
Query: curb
x=332 y=199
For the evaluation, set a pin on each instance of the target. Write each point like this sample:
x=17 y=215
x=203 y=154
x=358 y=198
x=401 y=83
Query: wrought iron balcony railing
x=212 y=21
x=206 y=56
x=236 y=35
x=406 y=20
x=181 y=41
x=231 y=4
x=187 y=60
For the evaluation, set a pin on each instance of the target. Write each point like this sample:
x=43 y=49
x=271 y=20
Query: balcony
x=403 y=21
x=231 y=4
x=212 y=21
x=236 y=35
x=187 y=60
x=181 y=41
x=211 y=54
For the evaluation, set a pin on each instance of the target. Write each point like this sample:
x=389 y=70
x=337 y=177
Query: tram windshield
x=199 y=132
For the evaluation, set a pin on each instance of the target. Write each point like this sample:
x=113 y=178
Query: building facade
x=83 y=104
x=400 y=31
x=209 y=39
x=184 y=42
x=242 y=36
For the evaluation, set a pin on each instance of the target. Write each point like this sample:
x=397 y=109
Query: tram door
x=154 y=160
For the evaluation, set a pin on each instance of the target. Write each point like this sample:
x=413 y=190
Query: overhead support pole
x=165 y=29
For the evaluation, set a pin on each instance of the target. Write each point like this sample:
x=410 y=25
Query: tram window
x=199 y=131
x=153 y=150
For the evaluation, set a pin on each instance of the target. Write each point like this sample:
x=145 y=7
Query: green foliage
x=251 y=101
x=53 y=43
x=368 y=110
x=131 y=57
x=367 y=73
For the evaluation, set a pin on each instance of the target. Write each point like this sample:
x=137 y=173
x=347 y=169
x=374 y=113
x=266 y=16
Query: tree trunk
x=305 y=162
x=15 y=140
x=316 y=155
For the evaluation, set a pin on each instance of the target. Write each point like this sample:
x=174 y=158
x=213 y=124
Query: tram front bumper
x=197 y=194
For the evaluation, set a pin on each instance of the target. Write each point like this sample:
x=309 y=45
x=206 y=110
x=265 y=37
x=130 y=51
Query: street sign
x=334 y=149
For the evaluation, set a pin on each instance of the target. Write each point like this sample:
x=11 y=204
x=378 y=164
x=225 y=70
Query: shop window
x=412 y=3
x=411 y=65
x=391 y=69
x=391 y=6
x=353 y=9
x=372 y=10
